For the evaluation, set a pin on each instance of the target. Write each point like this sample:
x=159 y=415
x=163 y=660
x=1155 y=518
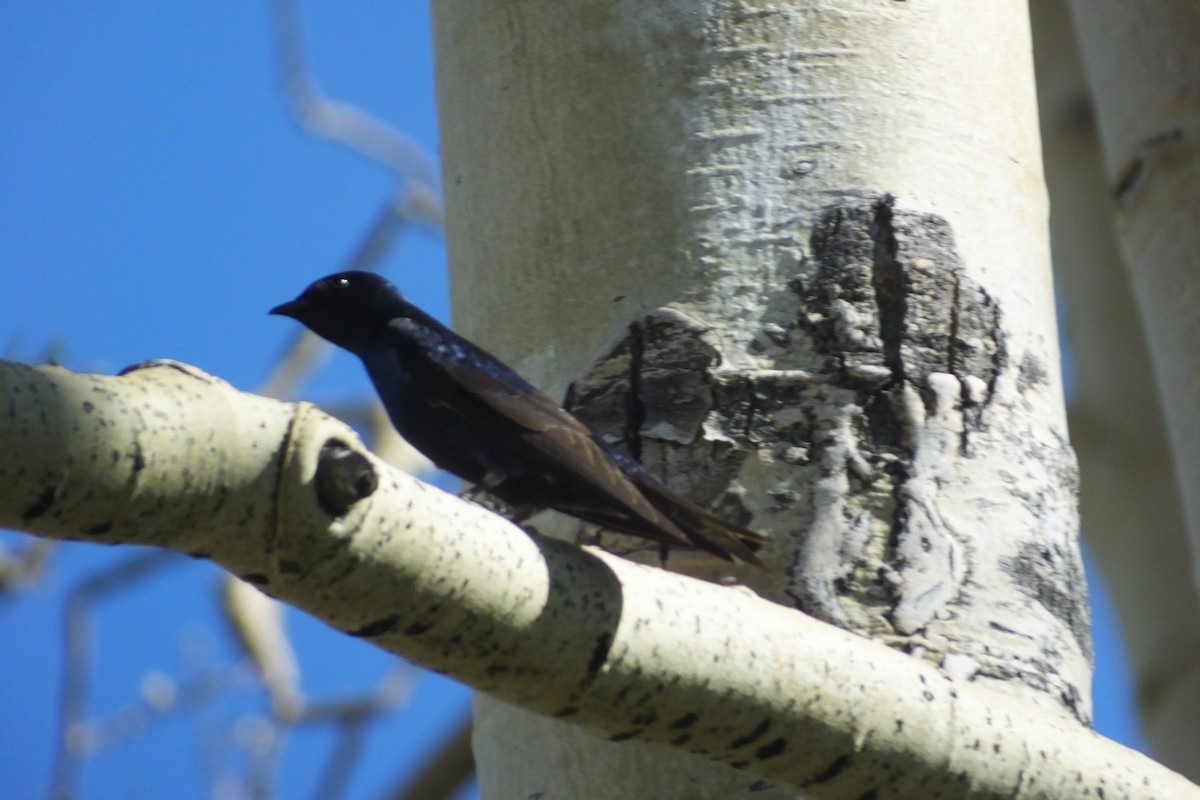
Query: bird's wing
x=454 y=372
x=492 y=397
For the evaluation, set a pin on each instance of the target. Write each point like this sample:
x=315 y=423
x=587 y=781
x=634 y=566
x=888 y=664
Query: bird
x=474 y=416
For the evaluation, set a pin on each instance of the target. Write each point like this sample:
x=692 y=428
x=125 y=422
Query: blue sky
x=157 y=201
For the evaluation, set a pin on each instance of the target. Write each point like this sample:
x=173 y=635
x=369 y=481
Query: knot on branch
x=344 y=477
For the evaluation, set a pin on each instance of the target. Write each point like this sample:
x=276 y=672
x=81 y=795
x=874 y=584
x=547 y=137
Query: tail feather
x=701 y=525
x=700 y=528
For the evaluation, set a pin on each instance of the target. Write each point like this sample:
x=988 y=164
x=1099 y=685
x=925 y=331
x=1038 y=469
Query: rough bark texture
x=872 y=425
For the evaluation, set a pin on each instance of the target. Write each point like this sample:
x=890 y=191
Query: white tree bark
x=1142 y=64
x=875 y=385
x=1130 y=503
x=289 y=500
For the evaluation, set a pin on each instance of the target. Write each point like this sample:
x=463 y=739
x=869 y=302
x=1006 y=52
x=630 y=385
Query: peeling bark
x=885 y=428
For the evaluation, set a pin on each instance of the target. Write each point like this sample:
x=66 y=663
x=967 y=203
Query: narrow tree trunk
x=704 y=186
x=1143 y=66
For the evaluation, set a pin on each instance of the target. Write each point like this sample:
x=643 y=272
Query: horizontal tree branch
x=287 y=498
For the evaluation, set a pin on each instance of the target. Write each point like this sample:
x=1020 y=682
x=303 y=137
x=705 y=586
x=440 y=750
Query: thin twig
x=78 y=650
x=348 y=124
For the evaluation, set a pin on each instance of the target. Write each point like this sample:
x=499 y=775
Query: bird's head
x=347 y=308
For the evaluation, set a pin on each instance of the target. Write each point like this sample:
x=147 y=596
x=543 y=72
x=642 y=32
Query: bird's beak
x=288 y=309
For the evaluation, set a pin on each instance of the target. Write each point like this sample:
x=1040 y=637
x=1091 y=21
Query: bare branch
x=258 y=626
x=623 y=650
x=351 y=126
x=72 y=738
x=23 y=563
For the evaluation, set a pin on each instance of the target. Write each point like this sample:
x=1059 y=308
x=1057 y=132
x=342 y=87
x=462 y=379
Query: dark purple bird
x=472 y=415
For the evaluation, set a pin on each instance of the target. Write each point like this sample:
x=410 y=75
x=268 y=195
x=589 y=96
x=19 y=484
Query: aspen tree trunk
x=1129 y=500
x=1144 y=69
x=685 y=209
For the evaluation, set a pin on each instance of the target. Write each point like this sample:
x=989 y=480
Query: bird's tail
x=705 y=529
